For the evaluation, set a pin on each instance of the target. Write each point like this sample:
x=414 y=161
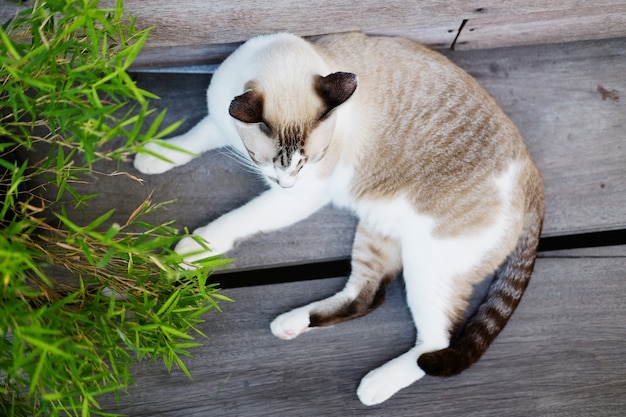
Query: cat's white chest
x=339 y=187
x=393 y=217
x=389 y=216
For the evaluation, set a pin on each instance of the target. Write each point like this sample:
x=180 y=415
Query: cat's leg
x=375 y=262
x=274 y=209
x=203 y=137
x=428 y=292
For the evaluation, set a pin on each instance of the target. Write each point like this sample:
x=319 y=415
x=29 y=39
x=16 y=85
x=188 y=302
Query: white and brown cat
x=439 y=177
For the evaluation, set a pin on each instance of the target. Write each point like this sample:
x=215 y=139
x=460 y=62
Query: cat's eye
x=263 y=127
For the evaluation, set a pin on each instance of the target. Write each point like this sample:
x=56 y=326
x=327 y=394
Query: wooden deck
x=189 y=32
x=563 y=352
x=576 y=135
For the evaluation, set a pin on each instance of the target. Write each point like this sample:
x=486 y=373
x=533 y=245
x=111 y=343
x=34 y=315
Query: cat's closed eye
x=264 y=128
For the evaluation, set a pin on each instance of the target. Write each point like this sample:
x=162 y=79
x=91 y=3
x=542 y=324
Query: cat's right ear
x=334 y=89
x=247 y=107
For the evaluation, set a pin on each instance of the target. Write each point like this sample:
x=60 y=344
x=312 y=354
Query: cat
x=439 y=177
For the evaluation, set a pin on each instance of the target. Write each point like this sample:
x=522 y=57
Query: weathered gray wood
x=560 y=355
x=567 y=102
x=565 y=98
x=504 y=28
x=576 y=133
x=197 y=24
x=192 y=31
x=616 y=251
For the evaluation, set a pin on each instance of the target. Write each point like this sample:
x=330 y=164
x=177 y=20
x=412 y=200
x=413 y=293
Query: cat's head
x=285 y=129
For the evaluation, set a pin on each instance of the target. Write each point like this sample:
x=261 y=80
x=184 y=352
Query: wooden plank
x=198 y=32
x=576 y=135
x=561 y=354
x=550 y=26
x=9 y=9
x=565 y=100
x=194 y=25
x=615 y=251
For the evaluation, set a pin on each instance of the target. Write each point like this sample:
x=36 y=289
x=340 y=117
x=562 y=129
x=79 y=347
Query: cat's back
x=401 y=79
x=365 y=52
x=428 y=130
x=378 y=60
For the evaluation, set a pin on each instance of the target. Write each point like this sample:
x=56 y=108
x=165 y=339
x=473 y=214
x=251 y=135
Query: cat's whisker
x=244 y=162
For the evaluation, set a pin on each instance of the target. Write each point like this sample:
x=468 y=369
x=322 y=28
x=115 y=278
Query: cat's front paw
x=382 y=383
x=289 y=325
x=193 y=251
x=150 y=164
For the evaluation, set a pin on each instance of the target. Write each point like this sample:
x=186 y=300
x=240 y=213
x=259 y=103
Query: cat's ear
x=334 y=89
x=247 y=107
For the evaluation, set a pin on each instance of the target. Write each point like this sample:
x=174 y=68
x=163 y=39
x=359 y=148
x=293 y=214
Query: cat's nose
x=287 y=182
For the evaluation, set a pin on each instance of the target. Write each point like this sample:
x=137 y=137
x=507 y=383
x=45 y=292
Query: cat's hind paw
x=289 y=325
x=382 y=383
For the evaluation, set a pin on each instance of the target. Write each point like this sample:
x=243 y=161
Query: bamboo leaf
x=8 y=44
x=65 y=87
x=176 y=333
x=106 y=258
x=34 y=379
x=182 y=366
x=47 y=347
x=171 y=302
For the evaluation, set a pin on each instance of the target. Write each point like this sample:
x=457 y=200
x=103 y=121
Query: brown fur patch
x=375 y=263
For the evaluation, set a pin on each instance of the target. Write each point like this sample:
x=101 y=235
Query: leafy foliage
x=81 y=303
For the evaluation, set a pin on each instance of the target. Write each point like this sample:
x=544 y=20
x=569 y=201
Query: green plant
x=81 y=303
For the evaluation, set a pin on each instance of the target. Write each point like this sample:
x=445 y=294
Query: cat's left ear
x=334 y=89
x=247 y=107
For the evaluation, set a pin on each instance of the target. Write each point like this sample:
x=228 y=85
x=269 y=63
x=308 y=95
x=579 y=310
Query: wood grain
x=557 y=96
x=196 y=25
x=560 y=355
x=510 y=28
x=562 y=352
x=567 y=100
x=575 y=133
x=615 y=251
x=198 y=32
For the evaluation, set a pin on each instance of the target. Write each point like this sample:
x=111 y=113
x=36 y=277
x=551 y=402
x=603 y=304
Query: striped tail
x=504 y=295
